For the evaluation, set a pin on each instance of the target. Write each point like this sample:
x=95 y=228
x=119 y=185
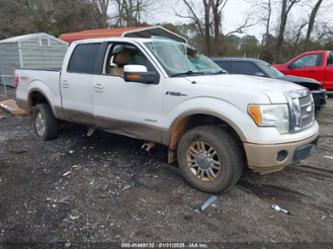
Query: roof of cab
x=236 y=59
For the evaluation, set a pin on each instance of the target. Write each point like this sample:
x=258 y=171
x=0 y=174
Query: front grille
x=302 y=110
x=307 y=111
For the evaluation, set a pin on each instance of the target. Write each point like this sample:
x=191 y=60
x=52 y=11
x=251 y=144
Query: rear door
x=328 y=75
x=127 y=108
x=310 y=66
x=77 y=83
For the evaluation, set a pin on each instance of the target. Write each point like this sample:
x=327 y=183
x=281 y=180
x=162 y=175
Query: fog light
x=282 y=155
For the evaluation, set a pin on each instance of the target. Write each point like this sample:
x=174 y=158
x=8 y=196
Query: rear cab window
x=84 y=58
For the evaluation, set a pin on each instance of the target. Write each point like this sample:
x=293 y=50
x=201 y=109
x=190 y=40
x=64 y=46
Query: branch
x=193 y=16
x=241 y=29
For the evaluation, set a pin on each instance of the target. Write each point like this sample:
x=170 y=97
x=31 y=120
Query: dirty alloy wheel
x=210 y=158
x=44 y=122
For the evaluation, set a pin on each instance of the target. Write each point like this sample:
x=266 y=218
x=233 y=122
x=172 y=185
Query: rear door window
x=84 y=58
x=224 y=65
x=247 y=68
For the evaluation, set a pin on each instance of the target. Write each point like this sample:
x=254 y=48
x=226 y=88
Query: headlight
x=271 y=116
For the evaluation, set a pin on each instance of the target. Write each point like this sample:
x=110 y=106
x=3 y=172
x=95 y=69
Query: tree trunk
x=268 y=21
x=312 y=22
x=217 y=28
x=207 y=8
x=281 y=30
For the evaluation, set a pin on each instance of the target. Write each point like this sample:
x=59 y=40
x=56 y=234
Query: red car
x=317 y=65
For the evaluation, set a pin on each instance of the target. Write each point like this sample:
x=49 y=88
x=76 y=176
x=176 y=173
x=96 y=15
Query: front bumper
x=270 y=158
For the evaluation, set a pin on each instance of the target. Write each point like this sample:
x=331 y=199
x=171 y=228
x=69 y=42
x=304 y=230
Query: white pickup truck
x=163 y=91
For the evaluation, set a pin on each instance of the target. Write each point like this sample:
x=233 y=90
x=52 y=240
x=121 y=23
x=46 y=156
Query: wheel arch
x=193 y=119
x=36 y=96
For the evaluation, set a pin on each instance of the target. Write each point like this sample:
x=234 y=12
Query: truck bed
x=46 y=80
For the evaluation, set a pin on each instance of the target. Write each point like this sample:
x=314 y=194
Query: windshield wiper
x=221 y=72
x=190 y=72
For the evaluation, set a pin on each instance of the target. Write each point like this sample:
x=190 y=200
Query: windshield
x=271 y=71
x=179 y=58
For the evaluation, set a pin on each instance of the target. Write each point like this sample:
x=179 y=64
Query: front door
x=77 y=83
x=127 y=108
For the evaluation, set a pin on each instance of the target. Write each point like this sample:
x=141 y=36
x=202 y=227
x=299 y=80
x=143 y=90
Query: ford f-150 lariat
x=166 y=92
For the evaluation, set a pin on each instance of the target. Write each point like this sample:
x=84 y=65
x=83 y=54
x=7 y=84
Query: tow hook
x=148 y=146
x=90 y=132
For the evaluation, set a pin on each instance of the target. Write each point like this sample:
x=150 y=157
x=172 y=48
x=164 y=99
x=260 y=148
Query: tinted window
x=269 y=70
x=84 y=58
x=224 y=65
x=240 y=67
x=312 y=60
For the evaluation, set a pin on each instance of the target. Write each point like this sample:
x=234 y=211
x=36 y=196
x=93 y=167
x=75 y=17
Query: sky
x=236 y=11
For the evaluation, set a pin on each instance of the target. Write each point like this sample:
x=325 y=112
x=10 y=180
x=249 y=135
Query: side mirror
x=291 y=66
x=140 y=74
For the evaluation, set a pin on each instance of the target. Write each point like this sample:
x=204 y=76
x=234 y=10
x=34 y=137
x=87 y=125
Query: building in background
x=31 y=51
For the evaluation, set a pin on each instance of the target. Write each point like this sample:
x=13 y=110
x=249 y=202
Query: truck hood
x=274 y=89
x=311 y=84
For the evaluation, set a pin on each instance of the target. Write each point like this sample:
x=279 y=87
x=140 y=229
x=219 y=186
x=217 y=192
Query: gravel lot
x=104 y=188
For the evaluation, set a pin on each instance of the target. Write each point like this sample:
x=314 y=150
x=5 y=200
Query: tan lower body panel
x=263 y=158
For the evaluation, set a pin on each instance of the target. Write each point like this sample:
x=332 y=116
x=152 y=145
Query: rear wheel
x=44 y=122
x=210 y=158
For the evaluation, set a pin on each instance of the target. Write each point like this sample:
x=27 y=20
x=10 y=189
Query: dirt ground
x=104 y=188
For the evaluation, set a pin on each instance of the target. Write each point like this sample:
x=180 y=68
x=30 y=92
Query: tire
x=44 y=122
x=220 y=146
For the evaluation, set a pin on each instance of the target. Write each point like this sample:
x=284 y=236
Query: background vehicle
x=166 y=92
x=316 y=65
x=261 y=68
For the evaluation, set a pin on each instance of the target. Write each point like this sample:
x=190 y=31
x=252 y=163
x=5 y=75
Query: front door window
x=312 y=60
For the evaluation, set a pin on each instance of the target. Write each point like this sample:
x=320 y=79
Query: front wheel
x=210 y=158
x=44 y=122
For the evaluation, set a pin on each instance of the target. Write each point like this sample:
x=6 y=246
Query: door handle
x=65 y=84
x=311 y=71
x=99 y=86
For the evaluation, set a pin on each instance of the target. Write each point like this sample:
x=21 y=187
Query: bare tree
x=129 y=12
x=209 y=24
x=286 y=7
x=312 y=22
x=268 y=11
x=102 y=8
x=241 y=28
x=298 y=34
x=207 y=8
x=217 y=9
x=192 y=14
